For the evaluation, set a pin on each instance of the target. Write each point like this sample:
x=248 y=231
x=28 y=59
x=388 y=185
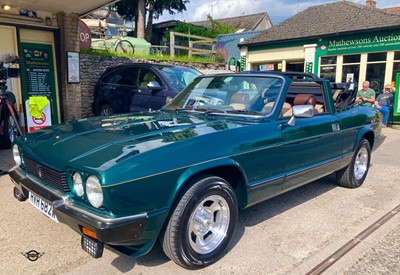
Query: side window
x=120 y=77
x=147 y=75
x=310 y=93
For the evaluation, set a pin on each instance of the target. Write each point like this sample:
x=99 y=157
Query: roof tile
x=328 y=19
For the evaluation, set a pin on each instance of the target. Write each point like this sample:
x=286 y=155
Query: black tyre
x=202 y=224
x=10 y=131
x=355 y=173
x=125 y=47
x=106 y=110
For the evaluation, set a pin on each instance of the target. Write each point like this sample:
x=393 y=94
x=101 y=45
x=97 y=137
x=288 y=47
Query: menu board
x=37 y=71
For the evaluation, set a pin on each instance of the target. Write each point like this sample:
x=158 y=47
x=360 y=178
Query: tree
x=141 y=19
x=136 y=9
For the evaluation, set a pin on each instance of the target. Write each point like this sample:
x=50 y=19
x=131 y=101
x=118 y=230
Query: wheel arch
x=227 y=169
x=368 y=134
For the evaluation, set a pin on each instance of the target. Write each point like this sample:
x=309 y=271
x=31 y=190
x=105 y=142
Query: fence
x=203 y=41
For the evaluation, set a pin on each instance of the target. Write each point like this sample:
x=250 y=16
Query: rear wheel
x=202 y=224
x=355 y=173
x=106 y=110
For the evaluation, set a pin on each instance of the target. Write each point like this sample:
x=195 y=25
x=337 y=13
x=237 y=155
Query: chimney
x=370 y=4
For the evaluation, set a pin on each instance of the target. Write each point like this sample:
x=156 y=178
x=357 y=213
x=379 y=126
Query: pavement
x=290 y=234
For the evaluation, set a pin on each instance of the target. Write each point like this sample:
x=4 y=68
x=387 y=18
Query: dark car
x=139 y=87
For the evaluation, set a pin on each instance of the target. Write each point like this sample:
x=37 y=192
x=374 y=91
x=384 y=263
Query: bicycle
x=9 y=127
x=117 y=44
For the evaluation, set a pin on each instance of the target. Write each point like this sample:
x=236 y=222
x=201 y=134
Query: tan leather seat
x=239 y=101
x=336 y=94
x=286 y=109
x=320 y=108
x=146 y=79
x=302 y=99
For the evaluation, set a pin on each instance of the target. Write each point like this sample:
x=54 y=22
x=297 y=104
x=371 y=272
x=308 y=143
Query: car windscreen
x=233 y=93
x=179 y=77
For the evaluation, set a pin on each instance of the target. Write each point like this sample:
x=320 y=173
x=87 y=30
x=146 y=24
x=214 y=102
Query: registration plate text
x=45 y=207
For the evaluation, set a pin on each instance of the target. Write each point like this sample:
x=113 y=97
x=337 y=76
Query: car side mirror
x=154 y=85
x=303 y=111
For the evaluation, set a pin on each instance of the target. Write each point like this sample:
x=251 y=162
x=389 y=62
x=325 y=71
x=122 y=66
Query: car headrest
x=240 y=98
x=305 y=99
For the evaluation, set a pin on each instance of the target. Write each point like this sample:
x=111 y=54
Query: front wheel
x=106 y=110
x=355 y=173
x=202 y=224
x=10 y=131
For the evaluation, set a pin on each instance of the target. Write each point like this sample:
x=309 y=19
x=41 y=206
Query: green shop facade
x=372 y=56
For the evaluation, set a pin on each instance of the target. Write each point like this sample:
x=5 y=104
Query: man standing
x=365 y=96
x=384 y=102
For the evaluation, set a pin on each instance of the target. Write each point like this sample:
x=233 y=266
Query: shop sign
x=37 y=72
x=368 y=42
x=267 y=67
x=243 y=63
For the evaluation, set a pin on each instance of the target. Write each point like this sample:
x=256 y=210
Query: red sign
x=85 y=37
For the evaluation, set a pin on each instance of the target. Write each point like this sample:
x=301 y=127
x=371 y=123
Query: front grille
x=53 y=177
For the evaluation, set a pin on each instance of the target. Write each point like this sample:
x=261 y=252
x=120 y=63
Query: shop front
x=36 y=47
x=372 y=56
x=341 y=48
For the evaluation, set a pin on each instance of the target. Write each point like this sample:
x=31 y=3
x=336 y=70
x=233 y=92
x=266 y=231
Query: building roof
x=246 y=22
x=230 y=42
x=337 y=18
x=394 y=9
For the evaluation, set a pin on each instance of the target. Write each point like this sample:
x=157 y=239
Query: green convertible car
x=182 y=174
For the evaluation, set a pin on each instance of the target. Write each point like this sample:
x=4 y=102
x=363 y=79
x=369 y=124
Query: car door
x=313 y=147
x=117 y=88
x=146 y=98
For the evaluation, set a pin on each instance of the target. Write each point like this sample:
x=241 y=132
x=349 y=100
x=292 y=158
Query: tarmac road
x=289 y=234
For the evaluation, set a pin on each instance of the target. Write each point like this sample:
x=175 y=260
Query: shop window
x=328 y=60
x=376 y=57
x=351 y=73
x=328 y=68
x=294 y=66
x=351 y=68
x=397 y=56
x=269 y=67
x=328 y=72
x=376 y=67
x=353 y=58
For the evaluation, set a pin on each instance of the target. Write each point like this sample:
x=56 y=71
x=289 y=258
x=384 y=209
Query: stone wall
x=92 y=66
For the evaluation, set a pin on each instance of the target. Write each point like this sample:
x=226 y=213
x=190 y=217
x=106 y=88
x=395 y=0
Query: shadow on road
x=248 y=218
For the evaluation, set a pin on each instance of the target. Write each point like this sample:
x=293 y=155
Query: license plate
x=44 y=206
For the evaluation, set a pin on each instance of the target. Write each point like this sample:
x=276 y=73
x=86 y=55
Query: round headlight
x=94 y=192
x=78 y=184
x=16 y=155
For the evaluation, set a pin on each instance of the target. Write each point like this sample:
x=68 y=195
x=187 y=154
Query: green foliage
x=128 y=8
x=171 y=6
x=216 y=29
x=149 y=56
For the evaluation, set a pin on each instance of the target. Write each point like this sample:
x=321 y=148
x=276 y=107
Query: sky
x=278 y=10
